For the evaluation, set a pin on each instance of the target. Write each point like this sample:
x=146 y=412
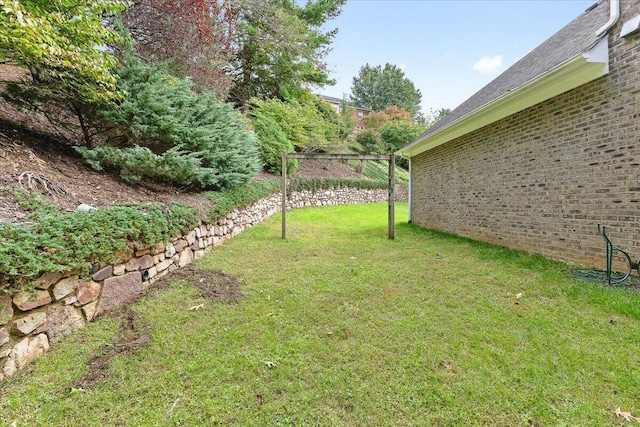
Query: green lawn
x=342 y=327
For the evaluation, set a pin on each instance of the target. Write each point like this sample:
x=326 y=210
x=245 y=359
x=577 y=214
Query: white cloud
x=488 y=65
x=402 y=66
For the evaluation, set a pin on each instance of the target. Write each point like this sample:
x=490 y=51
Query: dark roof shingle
x=576 y=37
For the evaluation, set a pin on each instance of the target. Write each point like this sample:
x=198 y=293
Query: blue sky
x=448 y=49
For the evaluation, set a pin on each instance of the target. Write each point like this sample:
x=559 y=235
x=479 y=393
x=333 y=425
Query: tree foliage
x=379 y=88
x=379 y=119
x=196 y=38
x=281 y=47
x=165 y=131
x=309 y=123
x=272 y=142
x=370 y=142
x=398 y=133
x=62 y=43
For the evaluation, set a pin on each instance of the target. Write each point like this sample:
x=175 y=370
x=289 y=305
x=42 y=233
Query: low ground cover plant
x=65 y=241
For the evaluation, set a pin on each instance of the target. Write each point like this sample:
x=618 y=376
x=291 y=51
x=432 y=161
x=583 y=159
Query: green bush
x=73 y=241
x=272 y=142
x=370 y=142
x=165 y=131
x=304 y=125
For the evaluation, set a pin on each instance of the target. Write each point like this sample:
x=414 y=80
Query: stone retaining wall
x=32 y=321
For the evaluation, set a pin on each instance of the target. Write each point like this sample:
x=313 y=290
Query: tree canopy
x=63 y=44
x=281 y=47
x=195 y=38
x=379 y=88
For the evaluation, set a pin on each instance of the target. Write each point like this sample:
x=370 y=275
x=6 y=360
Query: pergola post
x=327 y=156
x=284 y=195
x=392 y=196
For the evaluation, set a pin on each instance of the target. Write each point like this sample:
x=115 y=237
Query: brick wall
x=542 y=179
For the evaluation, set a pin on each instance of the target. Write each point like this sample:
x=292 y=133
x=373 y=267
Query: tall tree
x=195 y=37
x=62 y=43
x=379 y=88
x=281 y=48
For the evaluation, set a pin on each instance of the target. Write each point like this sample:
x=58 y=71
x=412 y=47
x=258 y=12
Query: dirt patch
x=47 y=165
x=134 y=334
x=213 y=284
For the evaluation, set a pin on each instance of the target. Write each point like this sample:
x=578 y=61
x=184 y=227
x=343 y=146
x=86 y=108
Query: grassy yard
x=341 y=327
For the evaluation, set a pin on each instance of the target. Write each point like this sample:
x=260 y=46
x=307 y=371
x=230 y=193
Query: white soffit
x=574 y=72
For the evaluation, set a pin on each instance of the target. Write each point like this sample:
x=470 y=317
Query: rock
x=118 y=270
x=83 y=207
x=146 y=262
x=45 y=281
x=5 y=353
x=88 y=292
x=190 y=237
x=70 y=300
x=26 y=301
x=4 y=336
x=170 y=251
x=24 y=353
x=186 y=257
x=63 y=321
x=103 y=273
x=6 y=309
x=142 y=263
x=89 y=310
x=161 y=266
x=180 y=245
x=118 y=290
x=199 y=254
x=26 y=325
x=143 y=252
x=10 y=368
x=65 y=287
x=158 y=258
x=158 y=249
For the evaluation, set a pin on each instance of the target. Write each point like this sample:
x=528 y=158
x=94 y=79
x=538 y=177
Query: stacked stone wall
x=32 y=321
x=542 y=179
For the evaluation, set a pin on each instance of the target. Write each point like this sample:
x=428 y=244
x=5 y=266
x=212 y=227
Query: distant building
x=359 y=112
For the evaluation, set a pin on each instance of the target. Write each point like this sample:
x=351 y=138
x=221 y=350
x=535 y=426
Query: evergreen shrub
x=165 y=131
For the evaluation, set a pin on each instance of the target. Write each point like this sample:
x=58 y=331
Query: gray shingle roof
x=335 y=100
x=575 y=38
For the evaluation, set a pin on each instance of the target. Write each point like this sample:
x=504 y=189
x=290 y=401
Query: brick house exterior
x=542 y=173
x=359 y=112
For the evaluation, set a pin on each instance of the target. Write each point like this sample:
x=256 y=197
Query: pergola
x=327 y=156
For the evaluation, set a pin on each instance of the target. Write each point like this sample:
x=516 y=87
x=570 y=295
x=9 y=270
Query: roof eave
x=574 y=72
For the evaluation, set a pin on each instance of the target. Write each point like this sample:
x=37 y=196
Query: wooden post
x=284 y=195
x=392 y=196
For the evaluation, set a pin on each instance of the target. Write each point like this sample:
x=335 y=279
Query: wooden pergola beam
x=391 y=158
x=330 y=156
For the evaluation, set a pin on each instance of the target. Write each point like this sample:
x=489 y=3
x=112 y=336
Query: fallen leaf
x=260 y=399
x=625 y=414
x=196 y=307
x=519 y=295
x=270 y=364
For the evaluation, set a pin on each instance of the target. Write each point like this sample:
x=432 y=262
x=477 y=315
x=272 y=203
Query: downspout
x=614 y=14
x=409 y=187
